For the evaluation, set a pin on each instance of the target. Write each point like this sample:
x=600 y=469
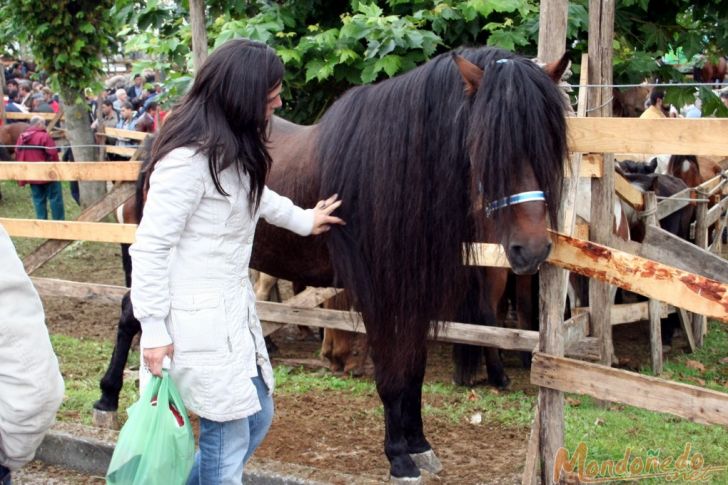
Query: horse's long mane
x=402 y=154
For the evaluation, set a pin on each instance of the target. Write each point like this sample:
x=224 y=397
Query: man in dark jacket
x=36 y=145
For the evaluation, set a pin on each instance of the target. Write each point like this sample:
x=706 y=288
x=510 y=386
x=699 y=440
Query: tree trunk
x=199 y=32
x=81 y=138
x=553 y=18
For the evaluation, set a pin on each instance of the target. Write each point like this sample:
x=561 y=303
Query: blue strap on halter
x=516 y=199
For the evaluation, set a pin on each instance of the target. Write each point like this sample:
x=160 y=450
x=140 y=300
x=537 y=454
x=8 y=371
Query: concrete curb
x=73 y=447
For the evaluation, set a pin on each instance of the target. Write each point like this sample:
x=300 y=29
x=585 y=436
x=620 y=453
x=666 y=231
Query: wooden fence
x=639 y=269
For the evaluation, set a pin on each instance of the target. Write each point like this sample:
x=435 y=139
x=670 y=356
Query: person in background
x=49 y=99
x=38 y=104
x=24 y=95
x=13 y=106
x=121 y=98
x=724 y=97
x=655 y=111
x=148 y=120
x=136 y=90
x=36 y=145
x=31 y=386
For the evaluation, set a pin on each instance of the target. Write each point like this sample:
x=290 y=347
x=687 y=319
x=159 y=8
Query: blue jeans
x=52 y=193
x=4 y=476
x=226 y=446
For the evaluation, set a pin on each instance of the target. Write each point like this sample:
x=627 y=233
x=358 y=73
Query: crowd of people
x=135 y=106
x=655 y=106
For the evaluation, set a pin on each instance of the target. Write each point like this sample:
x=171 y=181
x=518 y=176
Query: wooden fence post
x=654 y=305
x=700 y=323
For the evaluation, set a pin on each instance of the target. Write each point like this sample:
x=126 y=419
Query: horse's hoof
x=106 y=405
x=502 y=384
x=427 y=461
x=406 y=480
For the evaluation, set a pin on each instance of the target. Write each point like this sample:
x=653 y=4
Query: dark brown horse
x=413 y=157
x=410 y=157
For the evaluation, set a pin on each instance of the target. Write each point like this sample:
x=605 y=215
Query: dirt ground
x=333 y=431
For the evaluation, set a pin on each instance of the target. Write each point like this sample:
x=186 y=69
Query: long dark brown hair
x=404 y=156
x=224 y=114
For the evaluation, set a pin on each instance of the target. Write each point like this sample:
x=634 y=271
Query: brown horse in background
x=694 y=171
x=711 y=72
x=9 y=134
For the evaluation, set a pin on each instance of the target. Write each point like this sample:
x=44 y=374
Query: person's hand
x=154 y=357
x=322 y=218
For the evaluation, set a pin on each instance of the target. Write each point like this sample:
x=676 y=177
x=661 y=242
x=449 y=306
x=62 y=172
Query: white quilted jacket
x=190 y=283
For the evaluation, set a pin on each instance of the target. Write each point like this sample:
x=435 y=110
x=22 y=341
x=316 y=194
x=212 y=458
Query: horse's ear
x=556 y=69
x=471 y=74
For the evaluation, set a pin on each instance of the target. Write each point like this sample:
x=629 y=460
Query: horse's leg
x=526 y=302
x=482 y=312
x=113 y=380
x=392 y=391
x=356 y=362
x=336 y=343
x=418 y=447
x=126 y=263
x=263 y=286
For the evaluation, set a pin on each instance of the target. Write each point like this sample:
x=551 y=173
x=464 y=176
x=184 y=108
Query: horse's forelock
x=517 y=117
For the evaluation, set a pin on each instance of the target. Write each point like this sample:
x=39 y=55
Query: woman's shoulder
x=184 y=156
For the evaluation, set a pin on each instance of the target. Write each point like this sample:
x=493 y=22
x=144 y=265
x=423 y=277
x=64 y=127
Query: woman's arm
x=175 y=191
x=281 y=212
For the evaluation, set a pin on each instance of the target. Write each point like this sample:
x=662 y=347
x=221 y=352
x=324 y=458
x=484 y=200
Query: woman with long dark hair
x=190 y=287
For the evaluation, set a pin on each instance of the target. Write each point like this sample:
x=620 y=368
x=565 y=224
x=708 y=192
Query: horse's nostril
x=528 y=259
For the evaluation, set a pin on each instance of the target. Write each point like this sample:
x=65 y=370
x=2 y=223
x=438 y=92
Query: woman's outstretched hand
x=322 y=218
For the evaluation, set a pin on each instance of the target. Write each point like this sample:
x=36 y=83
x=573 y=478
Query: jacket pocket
x=198 y=324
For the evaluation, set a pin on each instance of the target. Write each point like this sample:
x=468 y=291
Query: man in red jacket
x=36 y=145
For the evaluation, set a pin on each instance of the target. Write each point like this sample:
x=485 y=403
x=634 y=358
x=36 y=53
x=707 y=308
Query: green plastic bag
x=156 y=445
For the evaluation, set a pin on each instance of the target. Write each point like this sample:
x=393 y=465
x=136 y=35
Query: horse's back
x=294 y=174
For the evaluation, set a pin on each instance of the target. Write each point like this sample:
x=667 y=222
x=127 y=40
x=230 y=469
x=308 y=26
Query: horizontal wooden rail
x=634 y=312
x=129 y=134
x=28 y=116
x=715 y=212
x=70 y=230
x=121 y=151
x=628 y=192
x=679 y=288
x=121 y=171
x=705 y=136
x=616 y=385
x=280 y=313
x=108 y=294
x=677 y=201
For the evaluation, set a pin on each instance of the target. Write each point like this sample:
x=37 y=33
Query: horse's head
x=516 y=141
x=686 y=168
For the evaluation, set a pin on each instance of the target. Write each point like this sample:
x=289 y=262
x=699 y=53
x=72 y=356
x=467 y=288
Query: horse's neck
x=294 y=170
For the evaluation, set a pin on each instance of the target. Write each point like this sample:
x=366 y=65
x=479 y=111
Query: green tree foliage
x=67 y=38
x=329 y=46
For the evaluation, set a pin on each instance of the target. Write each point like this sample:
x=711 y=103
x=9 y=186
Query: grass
x=79 y=261
x=16 y=203
x=607 y=432
x=83 y=363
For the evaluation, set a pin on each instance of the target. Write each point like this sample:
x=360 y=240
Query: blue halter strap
x=516 y=199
